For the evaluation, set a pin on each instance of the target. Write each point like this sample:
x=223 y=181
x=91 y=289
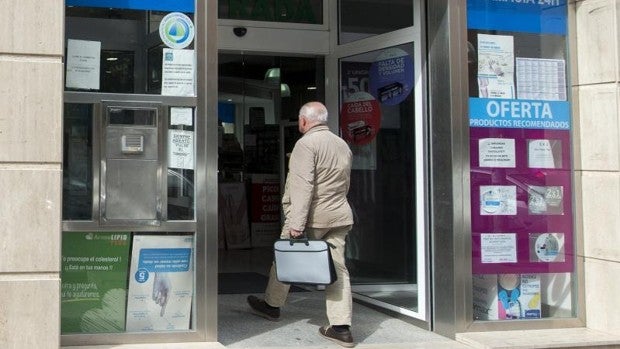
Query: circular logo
x=176 y=30
x=142 y=275
x=547 y=247
x=491 y=201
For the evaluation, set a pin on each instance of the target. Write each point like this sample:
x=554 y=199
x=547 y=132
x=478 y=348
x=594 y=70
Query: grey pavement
x=372 y=329
x=301 y=318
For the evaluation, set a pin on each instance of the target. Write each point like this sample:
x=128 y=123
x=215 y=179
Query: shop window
x=362 y=19
x=128 y=245
x=117 y=71
x=117 y=282
x=123 y=50
x=523 y=236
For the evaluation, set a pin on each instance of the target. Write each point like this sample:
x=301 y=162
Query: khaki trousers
x=338 y=300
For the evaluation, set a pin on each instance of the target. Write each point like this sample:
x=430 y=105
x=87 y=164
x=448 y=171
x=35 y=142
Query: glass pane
x=122 y=50
x=520 y=153
x=362 y=19
x=291 y=11
x=119 y=282
x=77 y=198
x=181 y=164
x=117 y=71
x=126 y=116
x=377 y=120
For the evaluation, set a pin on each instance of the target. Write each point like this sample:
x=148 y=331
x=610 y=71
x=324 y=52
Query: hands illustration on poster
x=161 y=291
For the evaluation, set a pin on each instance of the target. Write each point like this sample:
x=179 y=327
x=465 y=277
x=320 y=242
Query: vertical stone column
x=31 y=90
x=597 y=162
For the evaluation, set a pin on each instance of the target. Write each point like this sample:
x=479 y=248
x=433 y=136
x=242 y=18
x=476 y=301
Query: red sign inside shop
x=360 y=118
x=265 y=196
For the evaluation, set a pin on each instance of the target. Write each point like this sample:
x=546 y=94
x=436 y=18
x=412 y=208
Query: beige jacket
x=317 y=184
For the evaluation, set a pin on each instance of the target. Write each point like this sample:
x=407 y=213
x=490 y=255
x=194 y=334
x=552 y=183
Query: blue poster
x=519 y=113
x=529 y=16
x=153 y=5
x=391 y=76
x=161 y=283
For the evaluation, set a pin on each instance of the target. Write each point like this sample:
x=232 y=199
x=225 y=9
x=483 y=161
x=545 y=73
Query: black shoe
x=261 y=308
x=343 y=338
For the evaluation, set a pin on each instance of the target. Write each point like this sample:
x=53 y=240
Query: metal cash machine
x=131 y=165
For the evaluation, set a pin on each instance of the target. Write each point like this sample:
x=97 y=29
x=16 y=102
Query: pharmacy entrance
x=373 y=91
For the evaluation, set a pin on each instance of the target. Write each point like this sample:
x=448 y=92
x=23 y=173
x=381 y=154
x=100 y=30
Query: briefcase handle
x=304 y=239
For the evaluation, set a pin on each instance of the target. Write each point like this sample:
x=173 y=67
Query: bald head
x=312 y=114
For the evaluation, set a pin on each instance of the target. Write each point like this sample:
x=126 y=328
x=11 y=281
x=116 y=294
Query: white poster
x=160 y=283
x=496 y=152
x=540 y=153
x=496 y=66
x=181 y=116
x=498 y=248
x=541 y=79
x=178 y=73
x=181 y=149
x=83 y=64
x=498 y=200
x=547 y=200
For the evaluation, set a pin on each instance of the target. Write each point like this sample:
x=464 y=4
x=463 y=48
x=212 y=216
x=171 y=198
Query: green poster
x=94 y=282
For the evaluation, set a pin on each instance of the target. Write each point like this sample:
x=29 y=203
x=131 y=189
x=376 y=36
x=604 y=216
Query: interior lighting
x=272 y=75
x=285 y=91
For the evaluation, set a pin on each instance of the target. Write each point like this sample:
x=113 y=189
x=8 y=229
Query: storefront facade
x=470 y=124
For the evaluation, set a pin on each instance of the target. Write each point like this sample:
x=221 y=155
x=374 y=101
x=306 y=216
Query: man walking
x=315 y=204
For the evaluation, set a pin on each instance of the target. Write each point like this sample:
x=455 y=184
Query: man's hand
x=296 y=233
x=161 y=291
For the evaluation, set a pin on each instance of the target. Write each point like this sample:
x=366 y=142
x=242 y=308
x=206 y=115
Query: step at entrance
x=532 y=339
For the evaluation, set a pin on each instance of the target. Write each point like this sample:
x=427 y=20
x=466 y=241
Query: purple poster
x=520 y=139
x=521 y=208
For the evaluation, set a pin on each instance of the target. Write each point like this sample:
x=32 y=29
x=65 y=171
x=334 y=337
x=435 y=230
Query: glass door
x=380 y=107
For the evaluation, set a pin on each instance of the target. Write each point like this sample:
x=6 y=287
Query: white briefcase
x=304 y=261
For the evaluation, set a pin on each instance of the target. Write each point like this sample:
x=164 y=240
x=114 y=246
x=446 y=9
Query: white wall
x=596 y=72
x=31 y=88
